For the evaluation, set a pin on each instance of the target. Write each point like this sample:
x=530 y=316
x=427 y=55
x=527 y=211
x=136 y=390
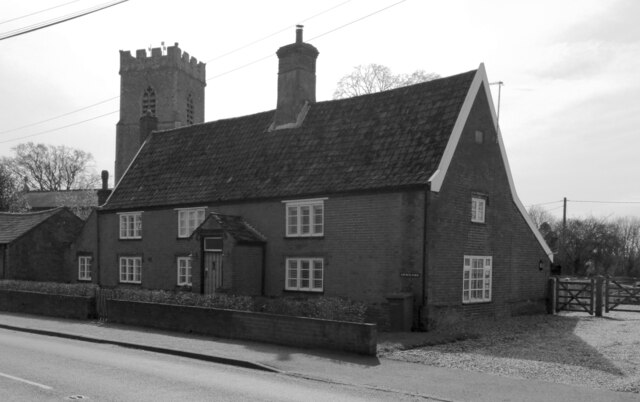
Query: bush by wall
x=65 y=289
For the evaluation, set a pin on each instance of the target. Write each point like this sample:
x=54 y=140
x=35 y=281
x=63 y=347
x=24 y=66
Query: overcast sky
x=570 y=104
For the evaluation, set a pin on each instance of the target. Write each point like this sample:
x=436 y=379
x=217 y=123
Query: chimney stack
x=104 y=192
x=296 y=81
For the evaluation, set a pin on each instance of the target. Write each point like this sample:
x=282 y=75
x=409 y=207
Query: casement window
x=476 y=282
x=184 y=271
x=131 y=225
x=305 y=218
x=130 y=269
x=305 y=274
x=84 y=268
x=189 y=220
x=478 y=207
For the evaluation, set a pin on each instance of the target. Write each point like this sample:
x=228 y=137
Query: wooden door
x=212 y=271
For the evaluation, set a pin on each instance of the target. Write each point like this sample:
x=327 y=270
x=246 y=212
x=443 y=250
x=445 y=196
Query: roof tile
x=387 y=139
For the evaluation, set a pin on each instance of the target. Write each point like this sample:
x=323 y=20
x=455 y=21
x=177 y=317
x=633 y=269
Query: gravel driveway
x=570 y=348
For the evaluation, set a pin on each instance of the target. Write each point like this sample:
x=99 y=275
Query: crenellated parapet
x=174 y=58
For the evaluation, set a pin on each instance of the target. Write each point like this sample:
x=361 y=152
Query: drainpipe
x=4 y=261
x=425 y=250
x=264 y=270
x=98 y=275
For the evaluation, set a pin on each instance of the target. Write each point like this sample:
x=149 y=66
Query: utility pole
x=499 y=84
x=561 y=251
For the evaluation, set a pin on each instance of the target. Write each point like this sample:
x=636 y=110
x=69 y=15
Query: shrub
x=243 y=303
x=66 y=289
x=328 y=308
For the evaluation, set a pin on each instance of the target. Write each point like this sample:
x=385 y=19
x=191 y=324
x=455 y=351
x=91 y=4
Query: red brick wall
x=85 y=244
x=505 y=236
x=368 y=240
x=159 y=249
x=40 y=254
x=279 y=329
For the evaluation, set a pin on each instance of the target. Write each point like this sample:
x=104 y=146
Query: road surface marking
x=35 y=384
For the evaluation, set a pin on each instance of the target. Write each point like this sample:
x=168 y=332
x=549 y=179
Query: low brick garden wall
x=271 y=328
x=78 y=307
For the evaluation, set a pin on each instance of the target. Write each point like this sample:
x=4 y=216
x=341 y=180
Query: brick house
x=35 y=245
x=406 y=191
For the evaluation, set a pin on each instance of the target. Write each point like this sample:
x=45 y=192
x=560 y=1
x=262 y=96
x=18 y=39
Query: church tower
x=162 y=91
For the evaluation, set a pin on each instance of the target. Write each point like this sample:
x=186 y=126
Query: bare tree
x=11 y=198
x=52 y=168
x=540 y=215
x=370 y=78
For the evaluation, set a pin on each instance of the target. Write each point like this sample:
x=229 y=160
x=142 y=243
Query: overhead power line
x=60 y=20
x=277 y=32
x=37 y=12
x=308 y=40
x=59 y=128
x=214 y=77
x=544 y=203
x=57 y=117
x=357 y=20
x=606 y=202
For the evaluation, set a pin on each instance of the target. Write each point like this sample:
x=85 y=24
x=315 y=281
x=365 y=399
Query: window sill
x=84 y=280
x=304 y=237
x=129 y=238
x=476 y=302
x=305 y=292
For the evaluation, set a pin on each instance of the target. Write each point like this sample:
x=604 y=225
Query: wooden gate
x=622 y=295
x=101 y=302
x=575 y=295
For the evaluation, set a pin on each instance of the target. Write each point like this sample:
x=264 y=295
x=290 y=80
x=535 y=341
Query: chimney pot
x=105 y=180
x=299 y=33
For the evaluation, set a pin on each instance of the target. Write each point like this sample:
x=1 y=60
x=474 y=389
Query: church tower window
x=149 y=101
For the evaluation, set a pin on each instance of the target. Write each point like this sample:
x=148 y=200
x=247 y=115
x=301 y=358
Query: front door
x=212 y=247
x=212 y=271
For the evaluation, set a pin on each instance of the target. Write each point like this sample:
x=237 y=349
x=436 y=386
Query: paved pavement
x=431 y=383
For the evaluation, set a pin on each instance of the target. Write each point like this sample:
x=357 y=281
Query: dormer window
x=149 y=101
x=190 y=110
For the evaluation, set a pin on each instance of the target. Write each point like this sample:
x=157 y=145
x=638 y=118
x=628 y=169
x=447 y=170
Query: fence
x=595 y=294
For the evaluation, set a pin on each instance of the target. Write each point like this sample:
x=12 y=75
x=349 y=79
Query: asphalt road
x=41 y=368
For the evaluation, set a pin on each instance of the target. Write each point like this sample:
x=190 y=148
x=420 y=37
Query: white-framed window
x=476 y=282
x=84 y=268
x=131 y=225
x=188 y=220
x=184 y=271
x=478 y=207
x=130 y=269
x=305 y=218
x=305 y=274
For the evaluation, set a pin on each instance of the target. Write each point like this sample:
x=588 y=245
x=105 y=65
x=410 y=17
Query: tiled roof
x=38 y=200
x=238 y=228
x=387 y=139
x=14 y=225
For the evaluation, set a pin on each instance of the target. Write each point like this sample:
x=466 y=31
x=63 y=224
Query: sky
x=569 y=106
